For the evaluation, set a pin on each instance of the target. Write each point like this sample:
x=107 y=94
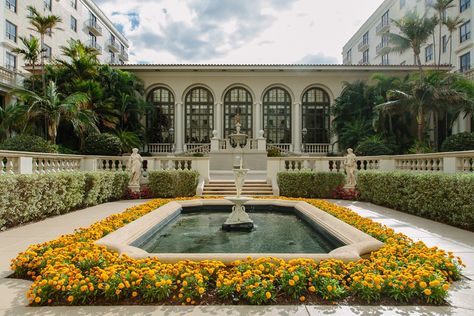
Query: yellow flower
x=185 y=283
x=434 y=283
x=329 y=287
x=70 y=298
x=121 y=285
x=134 y=294
x=423 y=284
x=249 y=294
x=291 y=282
x=268 y=295
x=296 y=278
x=201 y=290
x=188 y=299
x=427 y=292
x=445 y=286
x=312 y=289
x=302 y=298
x=37 y=299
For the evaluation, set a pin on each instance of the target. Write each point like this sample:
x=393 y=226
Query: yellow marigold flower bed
x=73 y=270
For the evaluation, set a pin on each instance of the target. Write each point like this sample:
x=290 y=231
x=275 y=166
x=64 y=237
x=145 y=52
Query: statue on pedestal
x=350 y=165
x=135 y=166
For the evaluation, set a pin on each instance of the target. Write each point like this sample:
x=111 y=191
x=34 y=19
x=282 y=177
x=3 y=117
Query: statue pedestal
x=238 y=220
x=134 y=188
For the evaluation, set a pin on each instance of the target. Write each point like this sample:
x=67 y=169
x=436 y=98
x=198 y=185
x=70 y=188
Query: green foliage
x=309 y=183
x=25 y=198
x=128 y=140
x=442 y=197
x=273 y=152
x=373 y=146
x=420 y=148
x=102 y=144
x=173 y=183
x=30 y=143
x=459 y=142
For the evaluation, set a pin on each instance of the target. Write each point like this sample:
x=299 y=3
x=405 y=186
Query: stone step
x=217 y=193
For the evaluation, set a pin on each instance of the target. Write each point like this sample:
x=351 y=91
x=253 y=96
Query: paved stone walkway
x=12 y=291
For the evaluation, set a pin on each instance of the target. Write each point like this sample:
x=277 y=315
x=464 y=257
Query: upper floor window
x=402 y=4
x=74 y=4
x=11 y=5
x=47 y=4
x=365 y=56
x=73 y=24
x=11 y=31
x=465 y=62
x=10 y=61
x=385 y=39
x=445 y=43
x=385 y=59
x=47 y=51
x=365 y=38
x=464 y=5
x=122 y=48
x=348 y=56
x=429 y=53
x=465 y=31
x=385 y=18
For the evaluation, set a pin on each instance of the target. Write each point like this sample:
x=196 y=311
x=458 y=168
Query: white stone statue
x=350 y=164
x=135 y=166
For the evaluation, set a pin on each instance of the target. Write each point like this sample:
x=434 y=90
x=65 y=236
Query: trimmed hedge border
x=309 y=184
x=173 y=183
x=26 y=198
x=446 y=198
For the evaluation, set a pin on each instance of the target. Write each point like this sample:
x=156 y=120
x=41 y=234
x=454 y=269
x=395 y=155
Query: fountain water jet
x=238 y=220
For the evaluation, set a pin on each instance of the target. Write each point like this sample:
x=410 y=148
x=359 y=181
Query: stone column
x=219 y=119
x=296 y=118
x=257 y=113
x=179 y=130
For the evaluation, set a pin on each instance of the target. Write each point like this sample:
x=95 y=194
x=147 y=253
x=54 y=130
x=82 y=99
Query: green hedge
x=173 y=183
x=442 y=197
x=25 y=198
x=309 y=184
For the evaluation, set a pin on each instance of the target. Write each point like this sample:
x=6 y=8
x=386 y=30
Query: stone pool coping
x=357 y=243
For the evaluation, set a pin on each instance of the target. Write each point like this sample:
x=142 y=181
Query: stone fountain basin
x=357 y=244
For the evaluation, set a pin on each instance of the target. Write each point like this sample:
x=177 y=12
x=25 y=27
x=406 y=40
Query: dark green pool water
x=274 y=232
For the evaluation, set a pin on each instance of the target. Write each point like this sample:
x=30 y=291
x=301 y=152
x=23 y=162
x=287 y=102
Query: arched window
x=277 y=116
x=238 y=101
x=160 y=119
x=199 y=116
x=315 y=115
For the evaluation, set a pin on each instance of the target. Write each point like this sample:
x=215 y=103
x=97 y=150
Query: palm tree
x=31 y=52
x=43 y=25
x=434 y=94
x=440 y=6
x=452 y=24
x=414 y=32
x=12 y=118
x=54 y=108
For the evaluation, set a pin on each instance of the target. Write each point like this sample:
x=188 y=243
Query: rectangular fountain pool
x=274 y=232
x=192 y=230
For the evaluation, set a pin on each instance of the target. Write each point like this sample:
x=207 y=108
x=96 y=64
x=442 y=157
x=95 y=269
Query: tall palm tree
x=43 y=25
x=452 y=24
x=31 y=52
x=434 y=94
x=414 y=32
x=54 y=108
x=12 y=118
x=440 y=6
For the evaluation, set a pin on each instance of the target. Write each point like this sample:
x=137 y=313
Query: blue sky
x=237 y=31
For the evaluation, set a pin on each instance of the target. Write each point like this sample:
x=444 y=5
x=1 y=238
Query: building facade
x=81 y=20
x=370 y=44
x=291 y=104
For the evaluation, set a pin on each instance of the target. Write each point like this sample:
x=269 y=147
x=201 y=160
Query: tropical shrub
x=173 y=183
x=309 y=183
x=102 y=144
x=442 y=197
x=273 y=152
x=458 y=142
x=372 y=146
x=25 y=198
x=73 y=270
x=30 y=143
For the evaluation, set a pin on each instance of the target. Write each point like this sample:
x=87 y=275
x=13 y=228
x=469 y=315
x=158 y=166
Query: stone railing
x=159 y=148
x=316 y=148
x=13 y=162
x=11 y=77
x=197 y=147
x=282 y=148
x=448 y=162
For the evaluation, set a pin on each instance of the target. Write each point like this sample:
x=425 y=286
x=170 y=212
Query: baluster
x=467 y=165
x=10 y=167
x=3 y=167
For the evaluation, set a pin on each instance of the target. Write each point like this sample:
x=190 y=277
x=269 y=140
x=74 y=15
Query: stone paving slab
x=13 y=292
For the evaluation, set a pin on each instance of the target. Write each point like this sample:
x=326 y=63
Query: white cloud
x=238 y=31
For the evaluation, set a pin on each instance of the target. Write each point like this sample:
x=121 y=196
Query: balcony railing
x=363 y=46
x=382 y=48
x=94 y=44
x=94 y=27
x=124 y=55
x=113 y=45
x=10 y=77
x=347 y=61
x=382 y=27
x=363 y=62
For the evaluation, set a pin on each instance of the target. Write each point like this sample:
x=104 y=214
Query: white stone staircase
x=227 y=187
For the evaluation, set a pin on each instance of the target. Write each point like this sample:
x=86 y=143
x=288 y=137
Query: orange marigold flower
x=427 y=292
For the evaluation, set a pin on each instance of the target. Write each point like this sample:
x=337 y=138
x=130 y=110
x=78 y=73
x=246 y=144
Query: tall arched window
x=277 y=115
x=238 y=101
x=199 y=116
x=315 y=114
x=160 y=119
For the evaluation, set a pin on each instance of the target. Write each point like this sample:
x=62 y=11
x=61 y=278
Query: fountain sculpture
x=238 y=220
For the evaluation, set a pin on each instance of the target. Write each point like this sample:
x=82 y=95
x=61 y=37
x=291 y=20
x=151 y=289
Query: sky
x=237 y=31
